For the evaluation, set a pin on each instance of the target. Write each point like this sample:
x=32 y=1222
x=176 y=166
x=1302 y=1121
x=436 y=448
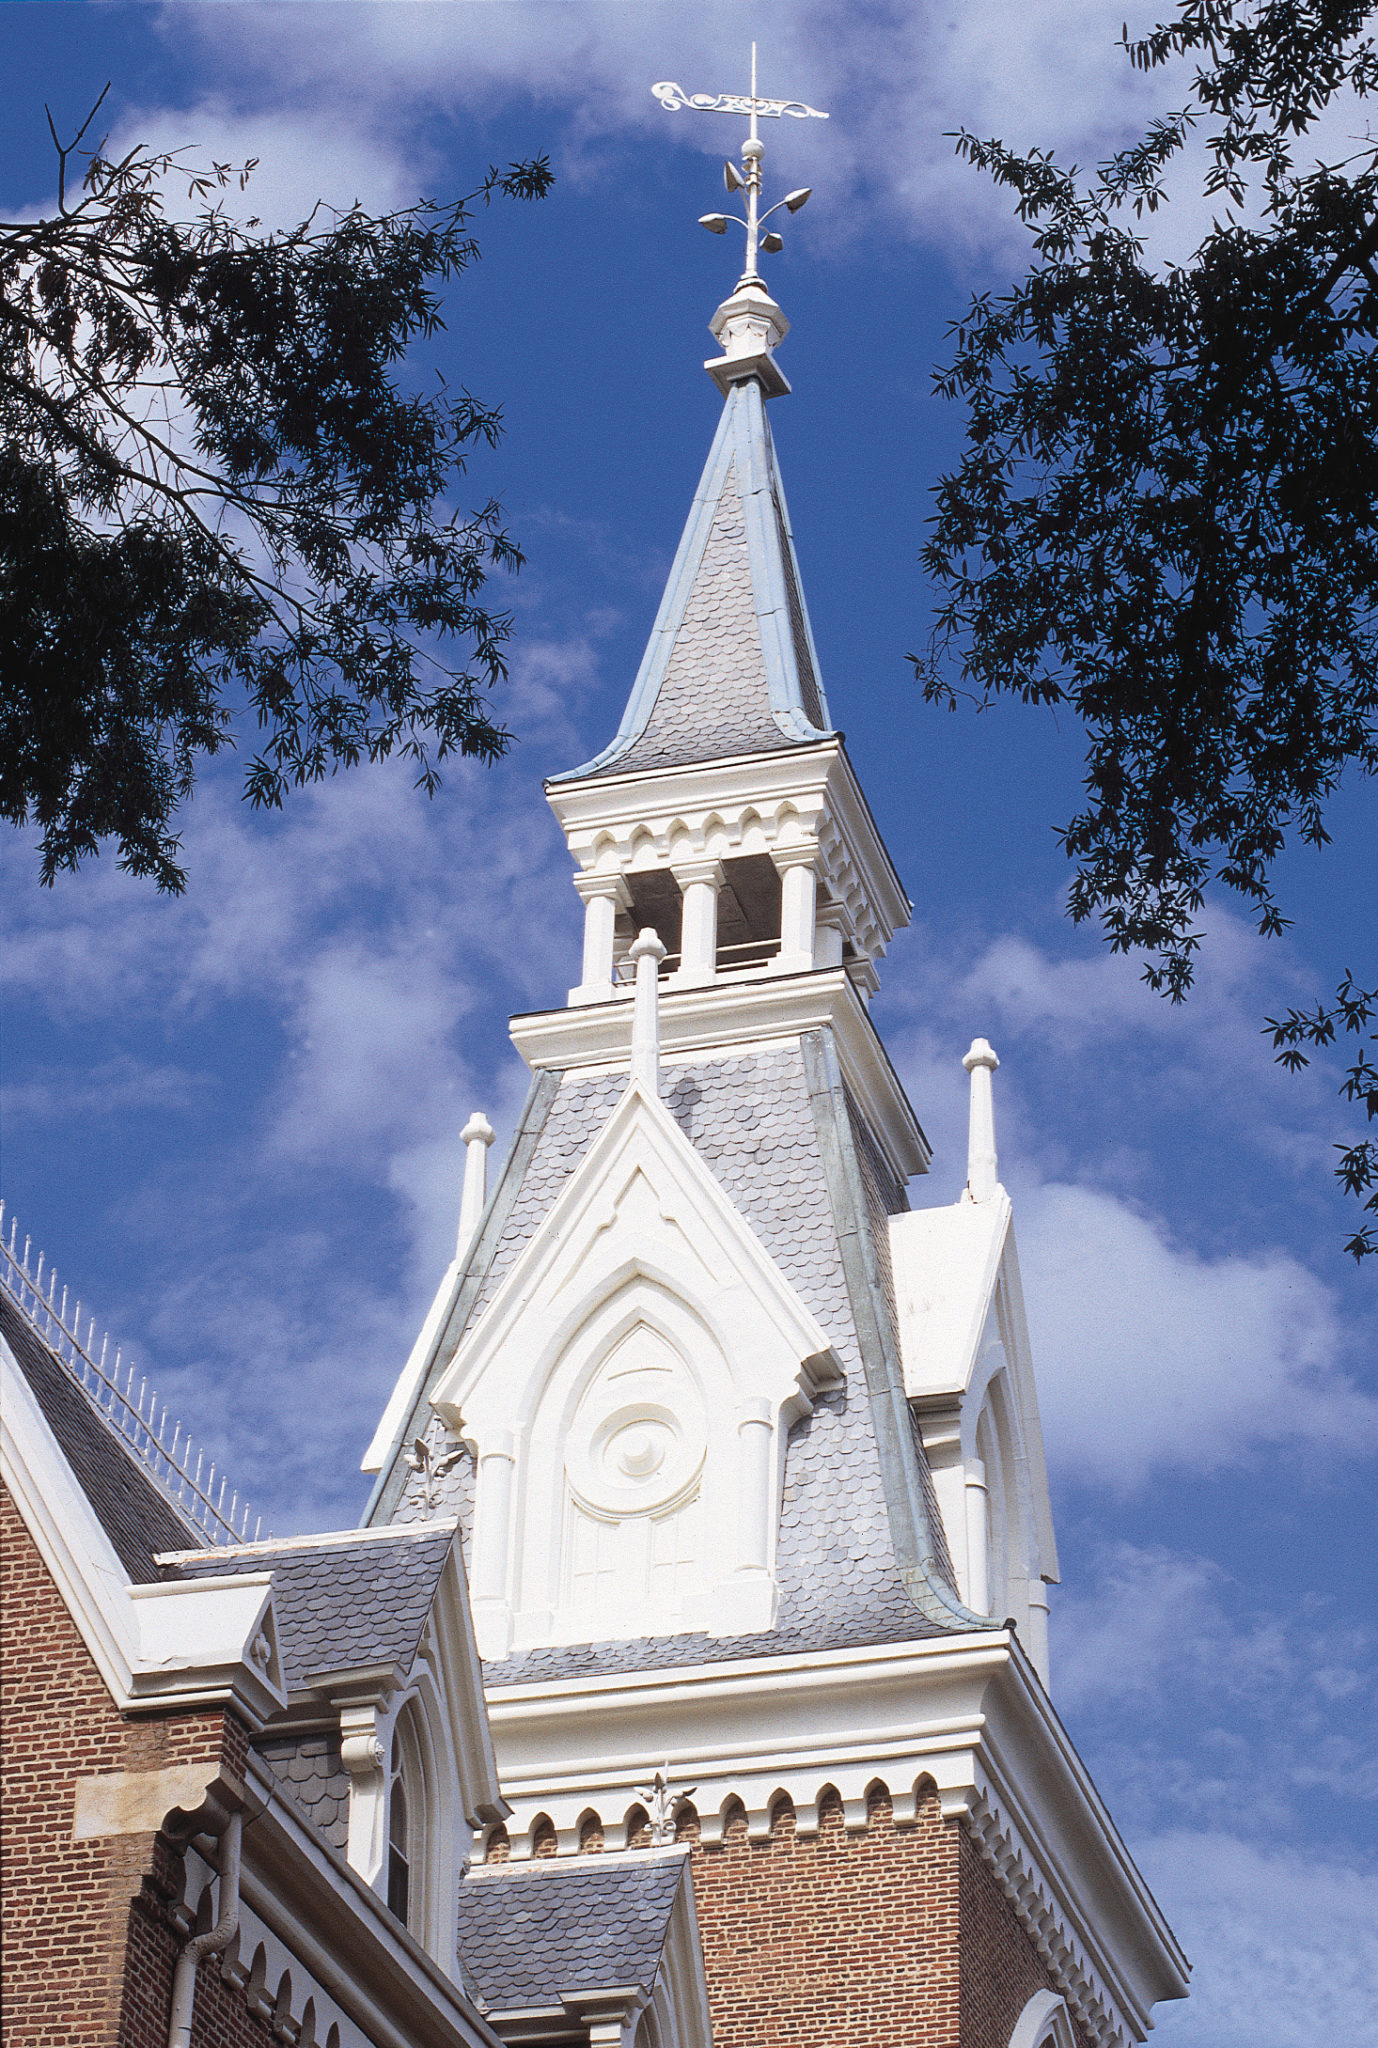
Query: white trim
x=341 y=1944
x=386 y=1532
x=408 y=1383
x=641 y=1247
x=169 y=1644
x=448 y=1643
x=685 y=810
x=1044 y=2023
x=964 y=1344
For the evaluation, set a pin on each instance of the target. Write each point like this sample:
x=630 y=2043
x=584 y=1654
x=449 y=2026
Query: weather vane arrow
x=747 y=180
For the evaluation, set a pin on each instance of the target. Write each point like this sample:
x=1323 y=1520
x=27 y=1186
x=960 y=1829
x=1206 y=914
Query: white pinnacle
x=647 y=952
x=982 y=1164
x=478 y=1134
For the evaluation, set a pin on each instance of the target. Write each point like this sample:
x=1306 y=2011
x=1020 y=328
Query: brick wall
x=890 y=1937
x=75 y=1912
x=1000 y=1968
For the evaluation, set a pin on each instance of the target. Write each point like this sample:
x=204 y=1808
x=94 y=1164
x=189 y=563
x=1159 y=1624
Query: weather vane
x=748 y=179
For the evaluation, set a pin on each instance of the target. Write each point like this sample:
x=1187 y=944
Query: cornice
x=673 y=805
x=966 y=1714
x=731 y=1017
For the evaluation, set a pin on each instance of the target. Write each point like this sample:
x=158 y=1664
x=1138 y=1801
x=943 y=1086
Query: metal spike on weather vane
x=748 y=179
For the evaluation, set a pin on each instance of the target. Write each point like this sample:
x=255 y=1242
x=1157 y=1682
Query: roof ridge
x=324 y=1539
x=131 y=1414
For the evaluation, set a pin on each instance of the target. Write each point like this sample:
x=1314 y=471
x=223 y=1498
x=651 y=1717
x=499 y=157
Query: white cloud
x=1159 y=1636
x=115 y=1086
x=895 y=79
x=1284 y=1942
x=1153 y=1358
x=1170 y=1335
x=303 y=156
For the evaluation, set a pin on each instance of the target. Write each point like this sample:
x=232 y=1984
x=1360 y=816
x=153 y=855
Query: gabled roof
x=135 y=1512
x=730 y=667
x=345 y=1601
x=861 y=1557
x=957 y=1274
x=531 y=1932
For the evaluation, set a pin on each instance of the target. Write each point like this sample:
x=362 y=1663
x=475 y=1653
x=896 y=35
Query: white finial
x=478 y=1134
x=982 y=1165
x=647 y=951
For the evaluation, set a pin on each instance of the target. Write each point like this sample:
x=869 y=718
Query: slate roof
x=530 y=1931
x=344 y=1601
x=311 y=1768
x=752 y=1121
x=730 y=667
x=134 y=1511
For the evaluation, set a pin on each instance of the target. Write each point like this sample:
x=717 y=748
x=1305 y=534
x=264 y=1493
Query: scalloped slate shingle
x=530 y=1931
x=714 y=699
x=346 y=1602
x=131 y=1507
x=311 y=1768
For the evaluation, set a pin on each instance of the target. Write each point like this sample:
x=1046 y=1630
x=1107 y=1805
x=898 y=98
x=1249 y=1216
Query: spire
x=477 y=1135
x=646 y=955
x=731 y=667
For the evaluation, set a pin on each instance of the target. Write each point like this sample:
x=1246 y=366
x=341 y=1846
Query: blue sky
x=233 y=1120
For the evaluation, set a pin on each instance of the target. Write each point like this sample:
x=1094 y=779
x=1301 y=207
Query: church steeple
x=746 y=1452
x=725 y=813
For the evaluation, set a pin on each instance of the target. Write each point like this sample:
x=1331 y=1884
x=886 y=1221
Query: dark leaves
x=1166 y=512
x=215 y=497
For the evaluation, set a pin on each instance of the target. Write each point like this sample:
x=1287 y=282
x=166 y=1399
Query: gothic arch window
x=1044 y=2023
x=401 y=1848
x=996 y=1448
x=416 y=1824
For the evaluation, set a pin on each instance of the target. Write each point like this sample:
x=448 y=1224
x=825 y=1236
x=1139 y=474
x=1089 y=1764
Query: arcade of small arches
x=848 y=1805
x=733 y=1821
x=255 y=1965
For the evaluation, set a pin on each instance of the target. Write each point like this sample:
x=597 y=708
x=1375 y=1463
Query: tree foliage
x=1165 y=515
x=218 y=499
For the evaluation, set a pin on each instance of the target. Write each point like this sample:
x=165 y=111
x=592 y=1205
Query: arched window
x=1044 y=2023
x=400 y=1853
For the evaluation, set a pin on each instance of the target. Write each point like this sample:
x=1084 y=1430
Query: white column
x=604 y=896
x=798 y=906
x=829 y=935
x=699 y=881
x=978 y=1538
x=755 y=1437
x=492 y=1541
x=982 y=1165
x=647 y=952
x=478 y=1134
